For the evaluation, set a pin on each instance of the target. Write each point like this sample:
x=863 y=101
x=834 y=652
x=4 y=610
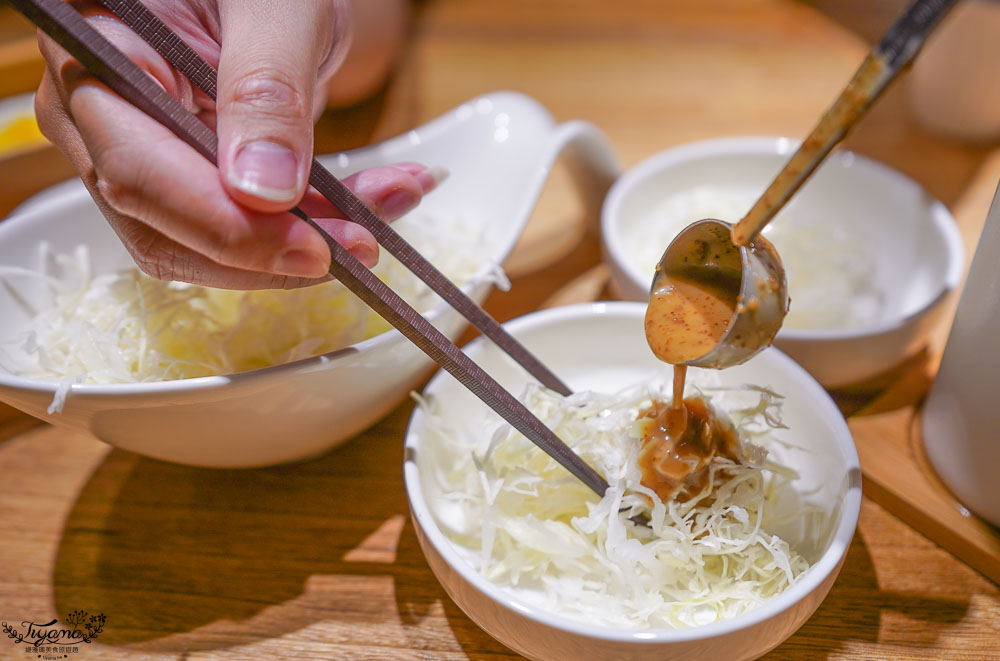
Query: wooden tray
x=898 y=477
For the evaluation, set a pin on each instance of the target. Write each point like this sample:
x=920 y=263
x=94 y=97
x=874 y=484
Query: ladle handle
x=897 y=49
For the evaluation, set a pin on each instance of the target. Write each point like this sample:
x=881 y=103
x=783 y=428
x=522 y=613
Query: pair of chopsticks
x=68 y=28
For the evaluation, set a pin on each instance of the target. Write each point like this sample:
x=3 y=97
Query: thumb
x=268 y=70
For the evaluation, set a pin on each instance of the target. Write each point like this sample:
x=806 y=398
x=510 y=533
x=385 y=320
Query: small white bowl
x=851 y=318
x=499 y=149
x=601 y=346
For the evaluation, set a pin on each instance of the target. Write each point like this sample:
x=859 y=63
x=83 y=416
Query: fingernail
x=432 y=176
x=266 y=169
x=302 y=263
x=396 y=203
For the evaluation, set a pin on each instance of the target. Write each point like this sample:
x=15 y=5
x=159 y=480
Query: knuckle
x=122 y=180
x=121 y=194
x=151 y=266
x=270 y=93
x=294 y=282
x=153 y=254
x=277 y=281
x=230 y=244
x=163 y=259
x=117 y=196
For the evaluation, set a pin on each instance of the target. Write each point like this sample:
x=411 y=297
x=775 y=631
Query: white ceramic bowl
x=601 y=346
x=499 y=149
x=851 y=318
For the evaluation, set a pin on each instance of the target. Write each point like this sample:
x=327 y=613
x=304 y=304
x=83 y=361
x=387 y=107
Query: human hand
x=179 y=216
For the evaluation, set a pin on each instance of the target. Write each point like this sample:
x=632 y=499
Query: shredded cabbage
x=126 y=327
x=526 y=524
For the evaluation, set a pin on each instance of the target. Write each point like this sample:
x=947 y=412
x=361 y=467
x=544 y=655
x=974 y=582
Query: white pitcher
x=961 y=419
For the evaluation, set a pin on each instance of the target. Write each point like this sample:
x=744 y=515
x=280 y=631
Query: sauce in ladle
x=689 y=313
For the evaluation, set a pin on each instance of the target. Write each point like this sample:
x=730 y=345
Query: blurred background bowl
x=601 y=346
x=28 y=162
x=870 y=256
x=499 y=149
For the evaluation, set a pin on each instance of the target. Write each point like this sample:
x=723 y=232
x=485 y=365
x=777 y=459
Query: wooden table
x=319 y=559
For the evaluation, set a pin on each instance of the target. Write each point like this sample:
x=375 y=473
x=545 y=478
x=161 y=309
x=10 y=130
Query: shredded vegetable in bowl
x=526 y=524
x=125 y=327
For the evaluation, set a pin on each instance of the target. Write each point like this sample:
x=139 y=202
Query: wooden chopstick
x=67 y=27
x=204 y=76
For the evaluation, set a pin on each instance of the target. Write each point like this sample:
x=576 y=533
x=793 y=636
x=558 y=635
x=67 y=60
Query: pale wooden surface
x=319 y=559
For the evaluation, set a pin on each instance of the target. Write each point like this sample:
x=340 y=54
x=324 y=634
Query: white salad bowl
x=601 y=346
x=870 y=256
x=499 y=149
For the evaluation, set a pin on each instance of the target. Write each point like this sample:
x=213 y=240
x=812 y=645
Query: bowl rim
x=826 y=565
x=942 y=221
x=72 y=191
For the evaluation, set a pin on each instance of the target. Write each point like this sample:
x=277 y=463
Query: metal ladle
x=721 y=252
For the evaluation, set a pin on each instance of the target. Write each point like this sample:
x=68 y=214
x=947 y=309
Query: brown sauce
x=674 y=456
x=688 y=314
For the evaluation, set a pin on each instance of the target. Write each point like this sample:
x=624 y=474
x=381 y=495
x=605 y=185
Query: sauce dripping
x=687 y=315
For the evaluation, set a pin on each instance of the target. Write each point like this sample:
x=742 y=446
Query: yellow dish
x=19 y=133
x=18 y=128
